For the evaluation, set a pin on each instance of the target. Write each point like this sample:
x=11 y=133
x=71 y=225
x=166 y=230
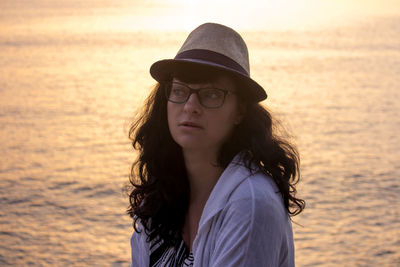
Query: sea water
x=69 y=90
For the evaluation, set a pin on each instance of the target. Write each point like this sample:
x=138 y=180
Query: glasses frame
x=169 y=84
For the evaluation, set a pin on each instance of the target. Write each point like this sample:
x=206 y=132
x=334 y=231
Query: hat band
x=212 y=57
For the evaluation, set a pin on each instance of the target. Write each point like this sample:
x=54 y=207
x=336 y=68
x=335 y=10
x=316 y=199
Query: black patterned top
x=162 y=255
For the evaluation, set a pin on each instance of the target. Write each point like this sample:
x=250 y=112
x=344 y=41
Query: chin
x=186 y=144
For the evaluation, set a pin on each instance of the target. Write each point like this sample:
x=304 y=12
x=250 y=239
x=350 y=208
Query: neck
x=203 y=173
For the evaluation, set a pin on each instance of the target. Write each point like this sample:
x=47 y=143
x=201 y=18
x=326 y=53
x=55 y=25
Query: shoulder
x=140 y=248
x=254 y=227
x=260 y=190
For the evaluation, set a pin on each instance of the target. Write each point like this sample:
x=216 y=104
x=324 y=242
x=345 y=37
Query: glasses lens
x=177 y=92
x=211 y=97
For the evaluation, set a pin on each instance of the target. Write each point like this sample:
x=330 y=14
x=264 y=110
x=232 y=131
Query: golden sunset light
x=75 y=74
x=271 y=14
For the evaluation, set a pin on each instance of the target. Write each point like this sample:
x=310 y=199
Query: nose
x=193 y=105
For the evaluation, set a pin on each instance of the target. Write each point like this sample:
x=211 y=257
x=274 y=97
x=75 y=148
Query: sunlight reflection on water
x=65 y=106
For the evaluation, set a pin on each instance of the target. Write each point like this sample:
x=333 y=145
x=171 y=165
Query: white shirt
x=244 y=223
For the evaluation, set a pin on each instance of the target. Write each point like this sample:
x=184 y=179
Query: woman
x=213 y=185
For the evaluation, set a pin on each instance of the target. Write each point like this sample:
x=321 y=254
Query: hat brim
x=163 y=70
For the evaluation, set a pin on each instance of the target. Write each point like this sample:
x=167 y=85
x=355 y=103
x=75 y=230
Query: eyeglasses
x=179 y=93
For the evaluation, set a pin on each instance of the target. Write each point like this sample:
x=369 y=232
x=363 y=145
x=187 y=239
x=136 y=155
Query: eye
x=212 y=93
x=178 y=90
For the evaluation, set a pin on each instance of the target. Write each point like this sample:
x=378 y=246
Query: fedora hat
x=213 y=46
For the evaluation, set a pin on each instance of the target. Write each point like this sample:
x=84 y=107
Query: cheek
x=170 y=116
x=224 y=126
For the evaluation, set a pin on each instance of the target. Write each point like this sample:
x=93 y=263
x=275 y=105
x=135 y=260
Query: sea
x=71 y=82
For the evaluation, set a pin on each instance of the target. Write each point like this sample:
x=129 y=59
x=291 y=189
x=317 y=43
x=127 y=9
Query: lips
x=190 y=124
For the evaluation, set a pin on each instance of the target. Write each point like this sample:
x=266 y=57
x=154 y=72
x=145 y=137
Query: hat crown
x=220 y=39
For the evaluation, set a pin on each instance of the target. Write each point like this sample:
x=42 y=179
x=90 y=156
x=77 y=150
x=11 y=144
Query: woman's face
x=195 y=127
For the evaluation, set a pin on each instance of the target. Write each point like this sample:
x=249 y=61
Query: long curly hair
x=159 y=187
